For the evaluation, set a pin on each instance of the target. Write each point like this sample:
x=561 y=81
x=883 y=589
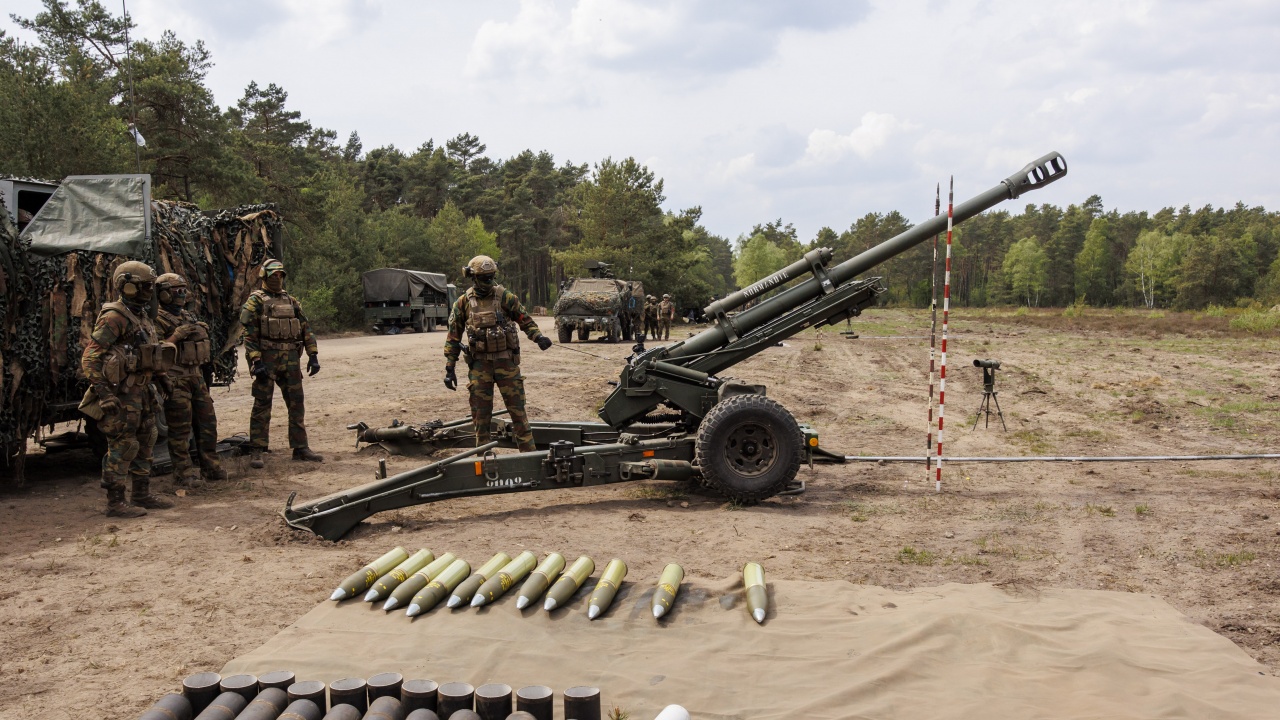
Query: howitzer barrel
x=1033 y=176
x=818 y=256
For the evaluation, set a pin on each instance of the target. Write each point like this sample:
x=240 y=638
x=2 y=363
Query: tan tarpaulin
x=827 y=650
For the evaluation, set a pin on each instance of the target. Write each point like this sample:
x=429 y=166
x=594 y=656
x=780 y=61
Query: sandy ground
x=99 y=617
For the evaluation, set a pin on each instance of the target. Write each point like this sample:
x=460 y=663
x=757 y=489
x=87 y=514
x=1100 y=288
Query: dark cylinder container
x=301 y=710
x=267 y=706
x=582 y=703
x=170 y=707
x=279 y=679
x=423 y=714
x=419 y=695
x=520 y=715
x=465 y=714
x=535 y=700
x=224 y=707
x=245 y=685
x=387 y=683
x=200 y=690
x=493 y=701
x=385 y=708
x=312 y=690
x=343 y=712
x=453 y=697
x=349 y=691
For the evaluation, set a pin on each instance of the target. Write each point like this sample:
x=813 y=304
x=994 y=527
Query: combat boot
x=117 y=507
x=142 y=497
x=189 y=478
x=214 y=473
x=307 y=454
x=255 y=459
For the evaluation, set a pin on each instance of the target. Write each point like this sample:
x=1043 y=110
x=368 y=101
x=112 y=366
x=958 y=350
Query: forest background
x=68 y=100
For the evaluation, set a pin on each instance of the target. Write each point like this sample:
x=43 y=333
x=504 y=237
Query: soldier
x=276 y=332
x=650 y=316
x=189 y=401
x=666 y=313
x=489 y=314
x=121 y=360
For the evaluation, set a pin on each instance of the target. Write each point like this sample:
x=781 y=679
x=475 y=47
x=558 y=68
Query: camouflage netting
x=587 y=303
x=48 y=305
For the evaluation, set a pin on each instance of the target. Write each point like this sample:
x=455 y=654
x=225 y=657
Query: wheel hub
x=751 y=448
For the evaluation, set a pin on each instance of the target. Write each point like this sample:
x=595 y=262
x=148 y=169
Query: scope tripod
x=989 y=397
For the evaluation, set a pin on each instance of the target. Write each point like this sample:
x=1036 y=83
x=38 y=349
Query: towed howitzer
x=670 y=415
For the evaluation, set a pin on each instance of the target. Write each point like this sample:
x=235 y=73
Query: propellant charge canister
x=385 y=708
x=464 y=592
x=423 y=714
x=301 y=710
x=312 y=690
x=363 y=579
x=403 y=594
x=668 y=585
x=200 y=689
x=454 y=696
x=246 y=685
x=279 y=679
x=419 y=694
x=582 y=703
x=349 y=691
x=493 y=701
x=224 y=707
x=173 y=706
x=398 y=574
x=757 y=596
x=610 y=581
x=343 y=712
x=266 y=706
x=387 y=683
x=540 y=579
x=535 y=700
x=569 y=582
x=440 y=586
x=505 y=579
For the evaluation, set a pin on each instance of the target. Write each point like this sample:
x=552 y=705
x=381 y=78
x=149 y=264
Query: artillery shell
x=279 y=679
x=419 y=695
x=200 y=689
x=493 y=701
x=362 y=580
x=387 y=683
x=668 y=585
x=267 y=706
x=610 y=581
x=173 y=706
x=419 y=580
x=342 y=712
x=468 y=588
x=246 y=685
x=465 y=714
x=224 y=707
x=441 y=585
x=301 y=710
x=673 y=712
x=535 y=700
x=399 y=574
x=509 y=575
x=757 y=597
x=349 y=691
x=423 y=714
x=540 y=579
x=569 y=583
x=312 y=690
x=454 y=696
x=385 y=708
x=582 y=703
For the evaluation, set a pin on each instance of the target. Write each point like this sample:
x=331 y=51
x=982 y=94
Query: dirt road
x=99 y=616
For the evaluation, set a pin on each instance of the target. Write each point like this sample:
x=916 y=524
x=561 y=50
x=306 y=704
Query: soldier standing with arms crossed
x=189 y=402
x=488 y=315
x=121 y=360
x=650 y=316
x=276 y=332
x=666 y=313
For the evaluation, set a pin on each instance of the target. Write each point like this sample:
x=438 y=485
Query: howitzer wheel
x=749 y=448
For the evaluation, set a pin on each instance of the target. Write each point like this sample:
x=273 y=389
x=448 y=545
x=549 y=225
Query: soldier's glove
x=259 y=370
x=544 y=342
x=163 y=385
x=313 y=365
x=450 y=378
x=109 y=403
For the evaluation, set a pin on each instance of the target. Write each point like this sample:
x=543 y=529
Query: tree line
x=68 y=100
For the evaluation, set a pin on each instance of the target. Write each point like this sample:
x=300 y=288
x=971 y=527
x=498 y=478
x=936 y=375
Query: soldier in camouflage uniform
x=650 y=316
x=189 y=403
x=666 y=313
x=121 y=361
x=488 y=315
x=276 y=332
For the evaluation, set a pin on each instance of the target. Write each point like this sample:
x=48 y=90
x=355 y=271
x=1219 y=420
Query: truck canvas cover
x=97 y=213
x=396 y=285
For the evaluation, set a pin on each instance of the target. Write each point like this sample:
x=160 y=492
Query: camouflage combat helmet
x=271 y=267
x=666 y=296
x=168 y=284
x=480 y=265
x=133 y=278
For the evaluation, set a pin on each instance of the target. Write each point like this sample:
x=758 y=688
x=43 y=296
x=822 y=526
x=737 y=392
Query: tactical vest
x=195 y=349
x=279 y=327
x=135 y=356
x=491 y=335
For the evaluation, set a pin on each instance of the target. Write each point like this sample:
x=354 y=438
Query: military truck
x=600 y=304
x=396 y=300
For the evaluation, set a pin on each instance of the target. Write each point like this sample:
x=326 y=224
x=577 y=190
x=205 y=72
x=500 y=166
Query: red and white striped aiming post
x=946 y=311
x=933 y=337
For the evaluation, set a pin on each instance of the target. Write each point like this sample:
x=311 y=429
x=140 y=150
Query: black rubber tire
x=749 y=448
x=612 y=335
x=431 y=324
x=565 y=333
x=583 y=334
x=419 y=322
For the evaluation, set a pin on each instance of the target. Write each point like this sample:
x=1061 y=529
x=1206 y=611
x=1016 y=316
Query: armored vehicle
x=600 y=304
x=396 y=300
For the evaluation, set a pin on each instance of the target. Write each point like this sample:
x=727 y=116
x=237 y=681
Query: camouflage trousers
x=664 y=329
x=190 y=404
x=284 y=371
x=650 y=327
x=131 y=433
x=505 y=373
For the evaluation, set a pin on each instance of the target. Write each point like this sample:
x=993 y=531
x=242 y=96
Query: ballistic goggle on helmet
x=171 y=286
x=132 y=278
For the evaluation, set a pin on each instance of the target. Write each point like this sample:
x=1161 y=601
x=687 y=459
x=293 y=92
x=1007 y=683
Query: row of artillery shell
x=419 y=582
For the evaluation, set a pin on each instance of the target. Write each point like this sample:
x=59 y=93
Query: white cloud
x=828 y=146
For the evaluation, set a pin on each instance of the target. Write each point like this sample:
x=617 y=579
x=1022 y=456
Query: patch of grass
x=1033 y=440
x=618 y=713
x=1104 y=510
x=967 y=560
x=1256 y=321
x=1234 y=559
x=664 y=491
x=1215 y=311
x=911 y=556
x=1142 y=510
x=1021 y=311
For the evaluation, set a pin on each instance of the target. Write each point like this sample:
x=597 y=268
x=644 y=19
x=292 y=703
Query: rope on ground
x=1063 y=458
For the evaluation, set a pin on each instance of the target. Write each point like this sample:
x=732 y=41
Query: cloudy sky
x=814 y=111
